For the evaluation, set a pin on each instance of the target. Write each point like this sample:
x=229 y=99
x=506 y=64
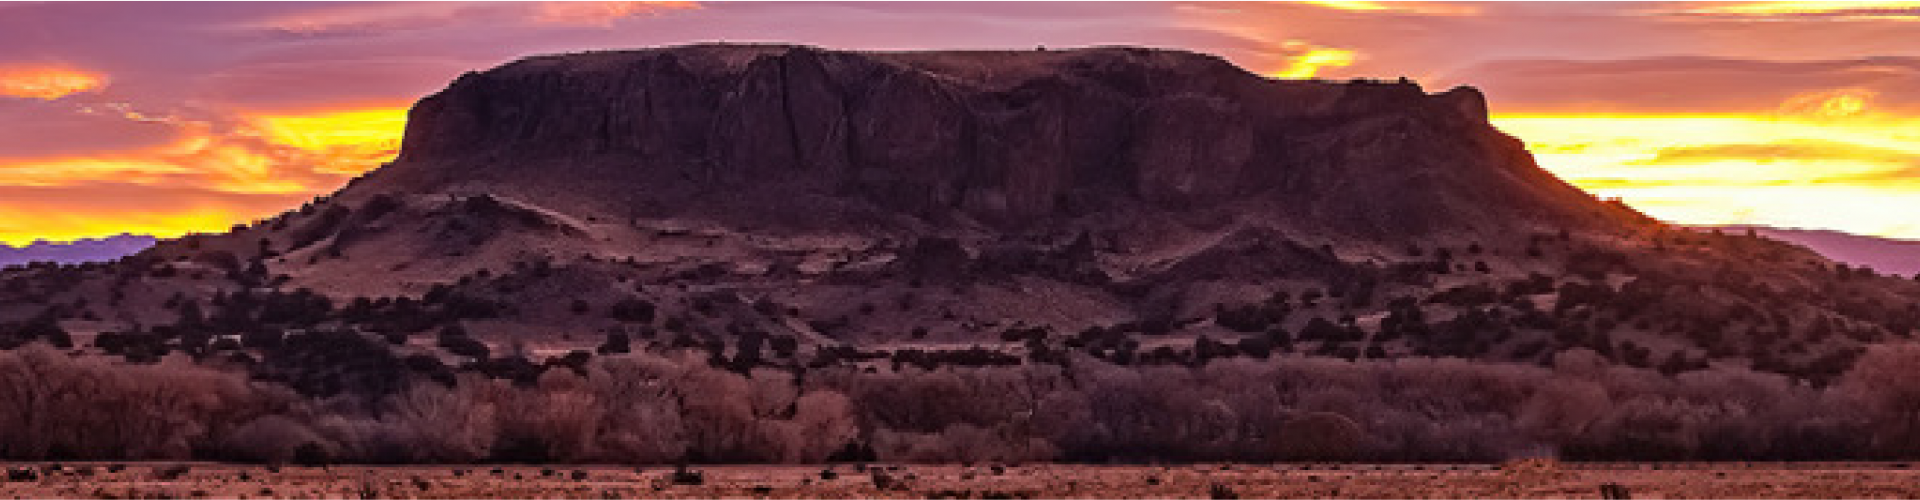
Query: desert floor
x=1525 y=480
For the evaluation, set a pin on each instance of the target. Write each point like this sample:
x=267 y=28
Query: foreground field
x=1530 y=480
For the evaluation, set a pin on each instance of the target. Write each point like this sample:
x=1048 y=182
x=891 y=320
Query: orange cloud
x=603 y=13
x=1826 y=149
x=344 y=142
x=1855 y=10
x=1792 y=7
x=276 y=156
x=1840 y=103
x=199 y=157
x=47 y=82
x=1308 y=60
x=1786 y=150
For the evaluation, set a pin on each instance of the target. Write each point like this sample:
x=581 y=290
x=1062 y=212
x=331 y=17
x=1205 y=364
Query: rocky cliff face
x=1006 y=138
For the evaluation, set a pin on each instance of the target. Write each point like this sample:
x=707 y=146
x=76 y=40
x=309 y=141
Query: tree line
x=659 y=407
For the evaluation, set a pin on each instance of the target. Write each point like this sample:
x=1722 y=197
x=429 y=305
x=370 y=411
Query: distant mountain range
x=78 y=251
x=1886 y=255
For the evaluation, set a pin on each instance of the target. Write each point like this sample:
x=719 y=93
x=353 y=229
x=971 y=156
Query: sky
x=167 y=118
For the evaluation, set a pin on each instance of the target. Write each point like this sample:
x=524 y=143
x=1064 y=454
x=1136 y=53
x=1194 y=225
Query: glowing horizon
x=1807 y=6
x=251 y=159
x=1592 y=152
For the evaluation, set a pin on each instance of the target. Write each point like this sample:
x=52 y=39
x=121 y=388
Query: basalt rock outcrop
x=1006 y=139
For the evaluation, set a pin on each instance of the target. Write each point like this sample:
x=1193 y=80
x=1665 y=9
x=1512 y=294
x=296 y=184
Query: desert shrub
x=1882 y=388
x=55 y=406
x=271 y=439
x=428 y=423
x=1250 y=318
x=458 y=343
x=632 y=310
x=311 y=454
x=960 y=443
x=1320 y=436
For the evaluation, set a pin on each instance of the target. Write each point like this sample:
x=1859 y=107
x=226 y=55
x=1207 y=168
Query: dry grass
x=1644 y=480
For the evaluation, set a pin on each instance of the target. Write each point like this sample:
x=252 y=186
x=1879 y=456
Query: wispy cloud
x=1399 y=7
x=1305 y=60
x=391 y=17
x=603 y=14
x=1801 y=10
x=47 y=82
x=1787 y=151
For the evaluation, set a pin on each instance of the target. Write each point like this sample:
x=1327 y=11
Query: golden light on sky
x=144 y=167
x=345 y=141
x=47 y=82
x=1312 y=59
x=286 y=156
x=1807 y=6
x=23 y=224
x=206 y=160
x=1408 y=7
x=1825 y=160
x=1355 y=5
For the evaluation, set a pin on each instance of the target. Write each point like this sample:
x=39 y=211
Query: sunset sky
x=164 y=118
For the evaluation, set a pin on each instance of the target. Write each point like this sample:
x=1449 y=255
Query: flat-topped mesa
x=998 y=135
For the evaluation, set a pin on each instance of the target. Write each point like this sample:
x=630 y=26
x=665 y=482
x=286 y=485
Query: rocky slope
x=1886 y=255
x=1150 y=154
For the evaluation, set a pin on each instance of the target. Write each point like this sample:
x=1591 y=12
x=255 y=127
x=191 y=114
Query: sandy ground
x=1690 y=480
